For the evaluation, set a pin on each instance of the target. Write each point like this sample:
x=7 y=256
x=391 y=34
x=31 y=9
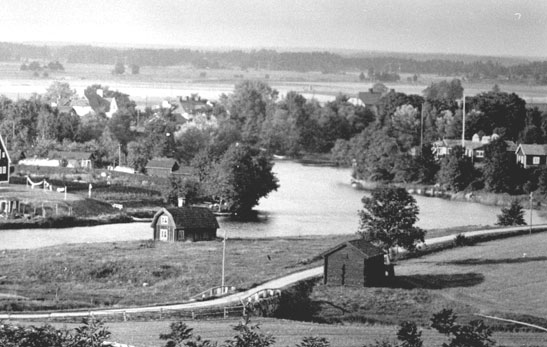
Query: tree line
x=327 y=62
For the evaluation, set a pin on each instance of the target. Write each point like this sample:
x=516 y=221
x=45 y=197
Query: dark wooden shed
x=354 y=263
x=184 y=224
x=163 y=167
x=5 y=162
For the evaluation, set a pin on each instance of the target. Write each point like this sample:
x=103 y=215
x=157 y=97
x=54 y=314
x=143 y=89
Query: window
x=3 y=154
x=480 y=154
x=163 y=234
x=535 y=161
x=164 y=220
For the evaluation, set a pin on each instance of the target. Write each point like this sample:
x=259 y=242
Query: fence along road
x=242 y=297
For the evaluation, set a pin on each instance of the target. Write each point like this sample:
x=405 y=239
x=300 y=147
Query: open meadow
x=153 y=84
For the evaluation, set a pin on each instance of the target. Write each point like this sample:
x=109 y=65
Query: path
x=238 y=298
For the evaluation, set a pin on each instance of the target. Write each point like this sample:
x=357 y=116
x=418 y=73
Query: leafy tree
x=138 y=155
x=135 y=69
x=242 y=176
x=92 y=333
x=457 y=171
x=500 y=171
x=444 y=90
x=376 y=155
x=188 y=188
x=120 y=127
x=314 y=341
x=513 y=215
x=362 y=76
x=388 y=218
x=249 y=336
x=119 y=68
x=59 y=93
x=181 y=335
x=475 y=333
x=409 y=335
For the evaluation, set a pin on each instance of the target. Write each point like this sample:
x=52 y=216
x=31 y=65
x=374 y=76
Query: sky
x=481 y=27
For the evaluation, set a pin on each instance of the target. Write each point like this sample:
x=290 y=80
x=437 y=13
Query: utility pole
x=422 y=129
x=463 y=123
x=223 y=258
x=119 y=154
x=531 y=201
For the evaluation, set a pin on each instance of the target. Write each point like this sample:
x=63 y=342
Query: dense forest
x=373 y=64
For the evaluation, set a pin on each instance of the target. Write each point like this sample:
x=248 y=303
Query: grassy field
x=504 y=278
x=134 y=273
x=289 y=333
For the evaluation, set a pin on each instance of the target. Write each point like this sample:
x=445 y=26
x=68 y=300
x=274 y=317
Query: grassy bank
x=503 y=278
x=147 y=272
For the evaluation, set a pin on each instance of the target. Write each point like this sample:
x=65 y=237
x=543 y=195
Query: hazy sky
x=483 y=27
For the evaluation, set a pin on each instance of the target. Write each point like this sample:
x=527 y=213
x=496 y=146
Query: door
x=164 y=232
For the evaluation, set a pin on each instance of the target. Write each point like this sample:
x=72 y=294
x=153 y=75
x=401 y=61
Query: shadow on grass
x=480 y=261
x=440 y=281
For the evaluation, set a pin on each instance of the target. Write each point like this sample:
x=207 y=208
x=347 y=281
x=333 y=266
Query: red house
x=5 y=162
x=184 y=224
x=354 y=263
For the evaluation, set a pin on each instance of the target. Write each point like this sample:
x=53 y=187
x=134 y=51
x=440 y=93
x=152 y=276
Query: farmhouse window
x=164 y=220
x=480 y=154
x=163 y=234
x=535 y=160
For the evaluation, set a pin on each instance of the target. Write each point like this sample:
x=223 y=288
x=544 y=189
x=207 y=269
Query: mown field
x=289 y=333
x=136 y=273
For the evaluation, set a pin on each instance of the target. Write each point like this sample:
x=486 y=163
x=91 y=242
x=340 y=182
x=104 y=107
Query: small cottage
x=5 y=162
x=162 y=167
x=77 y=160
x=531 y=155
x=354 y=263
x=184 y=224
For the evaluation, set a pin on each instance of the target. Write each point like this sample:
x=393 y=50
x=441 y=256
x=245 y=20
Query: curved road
x=238 y=298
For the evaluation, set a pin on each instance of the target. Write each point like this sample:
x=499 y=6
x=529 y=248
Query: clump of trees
x=512 y=215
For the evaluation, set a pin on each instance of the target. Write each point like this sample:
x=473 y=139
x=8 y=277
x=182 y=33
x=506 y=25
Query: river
x=311 y=200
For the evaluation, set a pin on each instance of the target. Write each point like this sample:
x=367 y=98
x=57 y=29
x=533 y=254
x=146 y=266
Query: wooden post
x=124 y=316
x=56 y=209
x=161 y=313
x=193 y=315
x=225 y=312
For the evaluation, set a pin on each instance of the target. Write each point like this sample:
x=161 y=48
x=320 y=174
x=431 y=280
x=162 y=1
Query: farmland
x=153 y=84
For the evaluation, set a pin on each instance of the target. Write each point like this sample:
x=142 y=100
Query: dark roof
x=189 y=217
x=161 y=163
x=70 y=155
x=367 y=249
x=370 y=98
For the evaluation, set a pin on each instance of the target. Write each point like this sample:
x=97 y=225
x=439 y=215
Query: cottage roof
x=367 y=249
x=70 y=155
x=533 y=149
x=370 y=98
x=511 y=146
x=189 y=217
x=161 y=163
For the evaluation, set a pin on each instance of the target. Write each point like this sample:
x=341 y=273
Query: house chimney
x=182 y=201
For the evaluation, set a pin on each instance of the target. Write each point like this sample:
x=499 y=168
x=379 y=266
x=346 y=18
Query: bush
x=461 y=240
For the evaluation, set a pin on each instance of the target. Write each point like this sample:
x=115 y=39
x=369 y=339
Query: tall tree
x=512 y=215
x=388 y=218
x=457 y=171
x=501 y=173
x=59 y=93
x=241 y=177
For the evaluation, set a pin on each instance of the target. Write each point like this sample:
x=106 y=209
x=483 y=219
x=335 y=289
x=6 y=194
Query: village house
x=354 y=263
x=5 y=162
x=531 y=155
x=184 y=223
x=371 y=99
x=474 y=148
x=77 y=160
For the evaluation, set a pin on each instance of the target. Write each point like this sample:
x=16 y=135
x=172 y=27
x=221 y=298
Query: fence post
x=225 y=312
x=124 y=317
x=161 y=312
x=193 y=315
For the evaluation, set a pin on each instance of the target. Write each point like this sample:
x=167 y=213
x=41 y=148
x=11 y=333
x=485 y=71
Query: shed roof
x=370 y=98
x=533 y=149
x=367 y=249
x=161 y=163
x=189 y=217
x=70 y=155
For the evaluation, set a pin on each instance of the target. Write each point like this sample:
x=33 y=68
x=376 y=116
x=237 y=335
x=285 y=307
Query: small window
x=535 y=160
x=164 y=220
x=163 y=234
x=480 y=154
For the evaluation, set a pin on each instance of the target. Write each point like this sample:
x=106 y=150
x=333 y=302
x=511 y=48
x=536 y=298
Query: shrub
x=461 y=240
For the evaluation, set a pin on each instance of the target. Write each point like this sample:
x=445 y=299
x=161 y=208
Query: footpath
x=252 y=294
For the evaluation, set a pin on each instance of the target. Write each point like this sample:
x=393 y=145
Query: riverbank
x=480 y=197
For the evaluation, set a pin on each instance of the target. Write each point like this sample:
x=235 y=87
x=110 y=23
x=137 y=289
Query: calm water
x=310 y=201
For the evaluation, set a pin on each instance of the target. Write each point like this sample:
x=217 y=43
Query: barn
x=354 y=263
x=185 y=223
